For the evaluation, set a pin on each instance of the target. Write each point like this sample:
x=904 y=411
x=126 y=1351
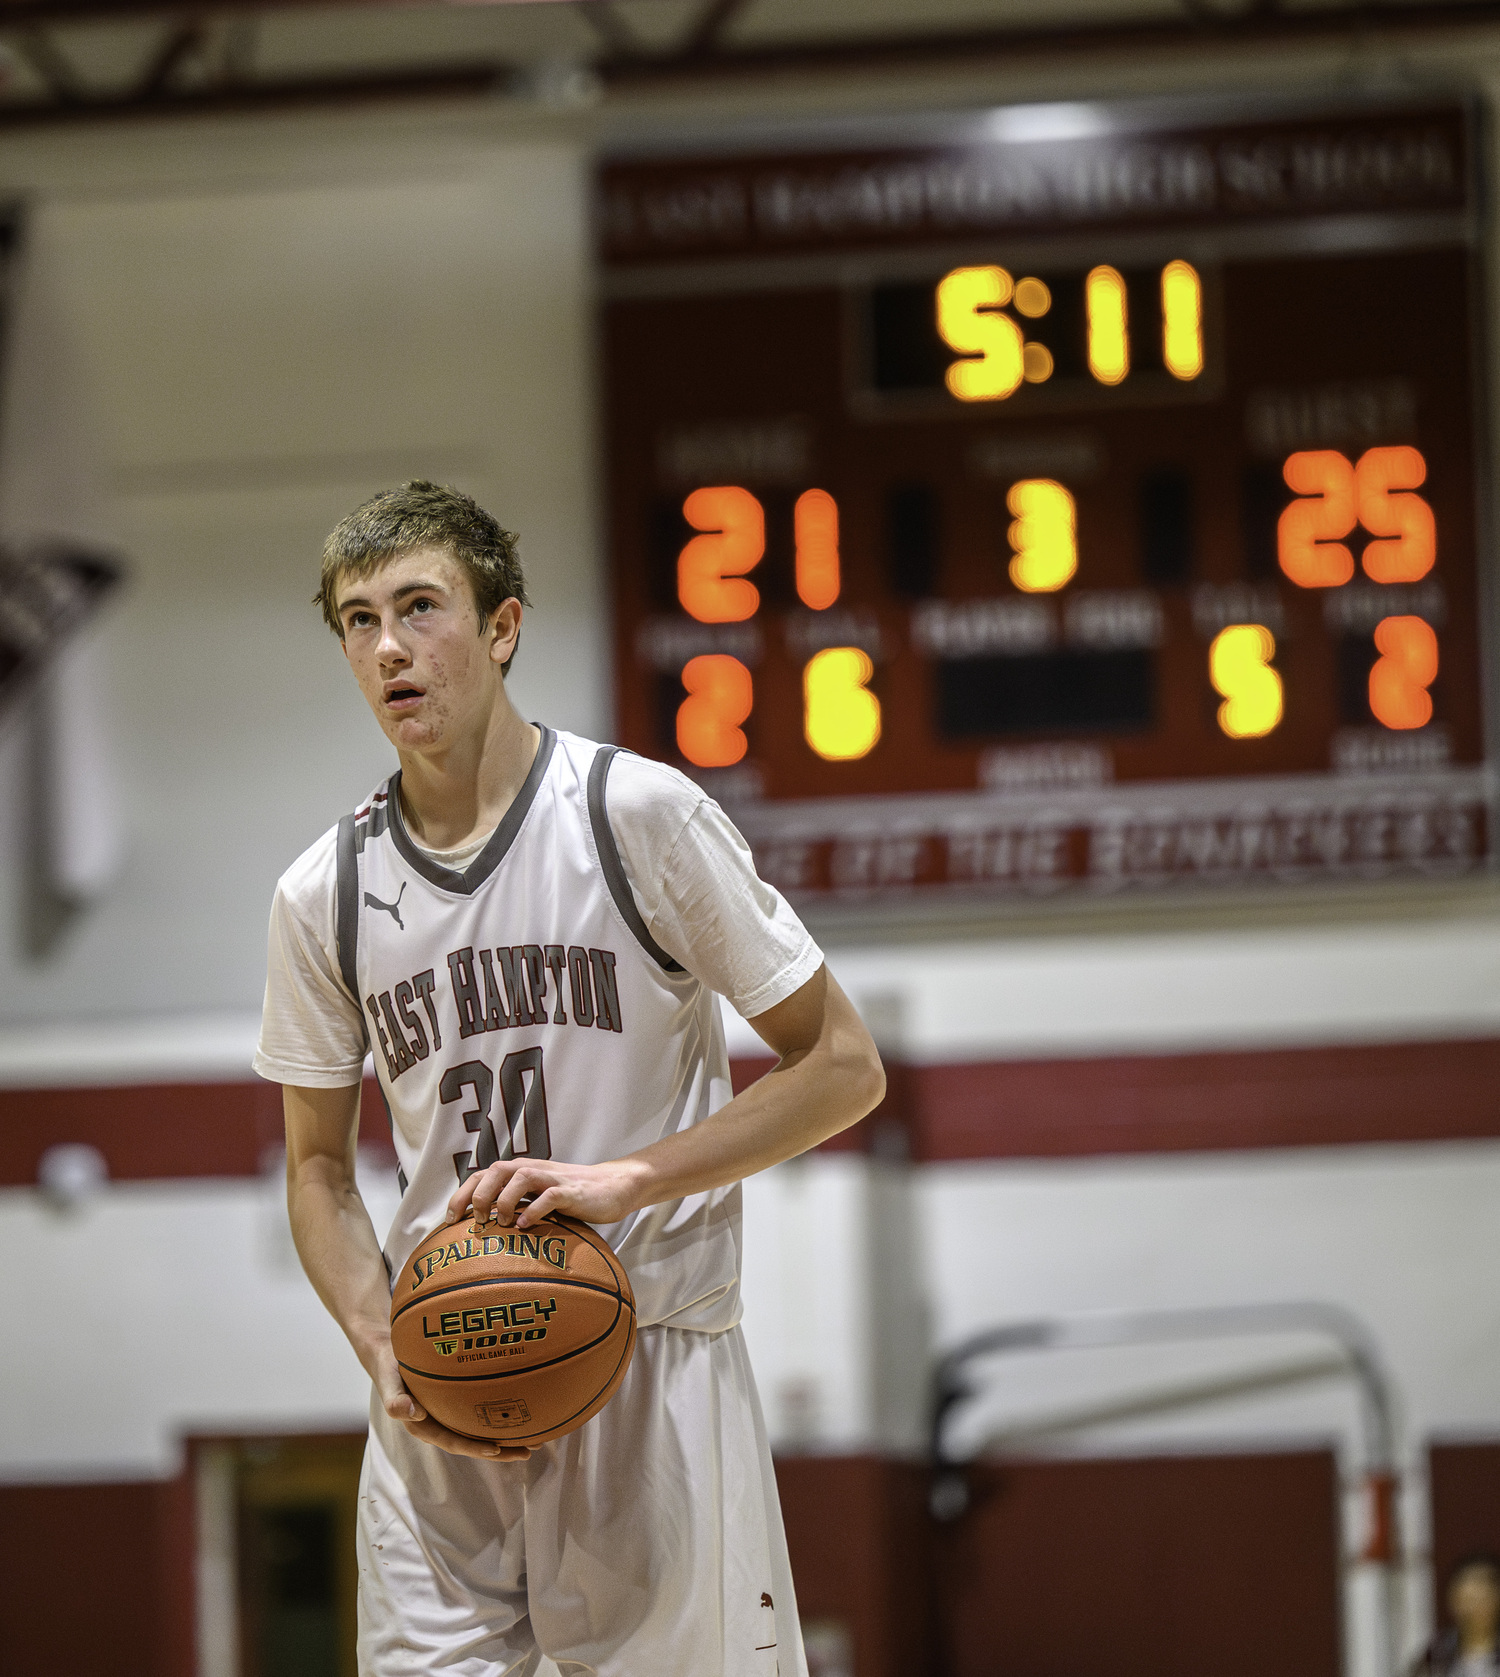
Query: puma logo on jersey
x=393 y=909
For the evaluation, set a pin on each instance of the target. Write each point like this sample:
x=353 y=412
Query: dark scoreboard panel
x=1019 y=515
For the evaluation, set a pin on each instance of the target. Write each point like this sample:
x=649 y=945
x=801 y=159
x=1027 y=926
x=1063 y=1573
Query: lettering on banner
x=1035 y=856
x=1421 y=831
x=1222 y=174
x=1431 y=834
x=789 y=864
x=864 y=862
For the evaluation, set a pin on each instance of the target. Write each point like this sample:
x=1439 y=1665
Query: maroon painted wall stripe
x=97 y=1577
x=1195 y=1563
x=160 y=1130
x=996 y=1109
x=1288 y=1097
x=1465 y=1479
x=1165 y=1103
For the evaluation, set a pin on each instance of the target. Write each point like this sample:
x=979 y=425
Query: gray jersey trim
x=375 y=822
x=347 y=908
x=401 y=1181
x=611 y=865
x=346 y=914
x=465 y=884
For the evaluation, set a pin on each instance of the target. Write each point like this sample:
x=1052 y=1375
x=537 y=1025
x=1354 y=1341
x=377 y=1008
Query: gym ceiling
x=69 y=61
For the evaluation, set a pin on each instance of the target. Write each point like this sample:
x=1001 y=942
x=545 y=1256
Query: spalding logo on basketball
x=519 y=1335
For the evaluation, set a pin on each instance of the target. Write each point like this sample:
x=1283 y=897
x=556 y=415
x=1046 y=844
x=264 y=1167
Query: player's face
x=426 y=666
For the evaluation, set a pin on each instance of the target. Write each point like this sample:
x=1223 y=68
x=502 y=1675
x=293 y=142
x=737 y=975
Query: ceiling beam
x=1217 y=9
x=1254 y=24
x=611 y=27
x=237 y=50
x=292 y=93
x=15 y=13
x=1211 y=16
x=181 y=42
x=49 y=64
x=707 y=32
x=1258 y=23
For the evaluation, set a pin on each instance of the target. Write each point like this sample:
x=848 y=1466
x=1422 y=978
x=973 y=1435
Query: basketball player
x=528 y=931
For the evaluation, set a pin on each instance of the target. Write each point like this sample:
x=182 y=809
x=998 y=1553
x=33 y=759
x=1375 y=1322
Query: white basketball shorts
x=648 y=1543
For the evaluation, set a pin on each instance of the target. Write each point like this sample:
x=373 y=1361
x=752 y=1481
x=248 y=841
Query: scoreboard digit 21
x=1060 y=498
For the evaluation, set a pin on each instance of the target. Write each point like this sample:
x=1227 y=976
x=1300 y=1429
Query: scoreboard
x=1060 y=499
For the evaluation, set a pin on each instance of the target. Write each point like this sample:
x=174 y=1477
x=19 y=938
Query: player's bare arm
x=337 y=1245
x=828 y=1077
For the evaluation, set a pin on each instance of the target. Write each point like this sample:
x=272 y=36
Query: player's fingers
x=523 y=1182
x=431 y=1433
x=456 y=1444
x=461 y=1202
x=479 y=1192
x=404 y=1407
x=399 y=1404
x=554 y=1198
x=462 y=1197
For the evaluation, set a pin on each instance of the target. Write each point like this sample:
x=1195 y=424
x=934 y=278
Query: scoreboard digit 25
x=1060 y=498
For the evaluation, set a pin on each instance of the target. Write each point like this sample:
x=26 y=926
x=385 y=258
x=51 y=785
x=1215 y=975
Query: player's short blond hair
x=421 y=514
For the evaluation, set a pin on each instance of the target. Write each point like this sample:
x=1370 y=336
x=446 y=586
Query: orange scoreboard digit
x=1101 y=509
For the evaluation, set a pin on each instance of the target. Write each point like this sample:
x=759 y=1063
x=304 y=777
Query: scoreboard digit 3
x=1011 y=509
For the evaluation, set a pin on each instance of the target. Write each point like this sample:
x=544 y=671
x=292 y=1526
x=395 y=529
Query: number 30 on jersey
x=523 y=1097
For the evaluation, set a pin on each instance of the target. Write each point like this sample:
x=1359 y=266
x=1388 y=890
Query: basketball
x=516 y=1335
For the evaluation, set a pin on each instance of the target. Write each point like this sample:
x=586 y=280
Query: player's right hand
x=401 y=1406
x=433 y=1432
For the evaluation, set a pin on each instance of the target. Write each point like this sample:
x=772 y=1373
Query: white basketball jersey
x=521 y=1008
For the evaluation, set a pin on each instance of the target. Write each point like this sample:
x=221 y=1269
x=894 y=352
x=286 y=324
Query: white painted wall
x=1400 y=1235
x=164 y=1309
x=260 y=357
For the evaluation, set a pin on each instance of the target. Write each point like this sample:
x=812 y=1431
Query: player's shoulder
x=642 y=788
x=638 y=788
x=311 y=881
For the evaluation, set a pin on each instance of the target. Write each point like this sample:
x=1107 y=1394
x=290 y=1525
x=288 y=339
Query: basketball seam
x=562 y=1426
x=531 y=1368
x=568 y=1225
x=582 y=1410
x=504 y=1281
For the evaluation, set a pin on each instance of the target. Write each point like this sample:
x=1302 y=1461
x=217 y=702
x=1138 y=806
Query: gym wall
x=273 y=320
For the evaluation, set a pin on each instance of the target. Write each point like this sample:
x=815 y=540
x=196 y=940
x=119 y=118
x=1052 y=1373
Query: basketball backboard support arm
x=1354 y=1356
x=59 y=563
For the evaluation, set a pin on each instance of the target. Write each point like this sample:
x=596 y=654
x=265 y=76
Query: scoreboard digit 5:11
x=1001 y=507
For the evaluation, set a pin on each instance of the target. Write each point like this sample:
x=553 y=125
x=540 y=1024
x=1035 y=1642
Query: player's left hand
x=596 y=1193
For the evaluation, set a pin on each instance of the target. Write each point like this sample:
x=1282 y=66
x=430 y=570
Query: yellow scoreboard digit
x=1061 y=515
x=841 y=717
